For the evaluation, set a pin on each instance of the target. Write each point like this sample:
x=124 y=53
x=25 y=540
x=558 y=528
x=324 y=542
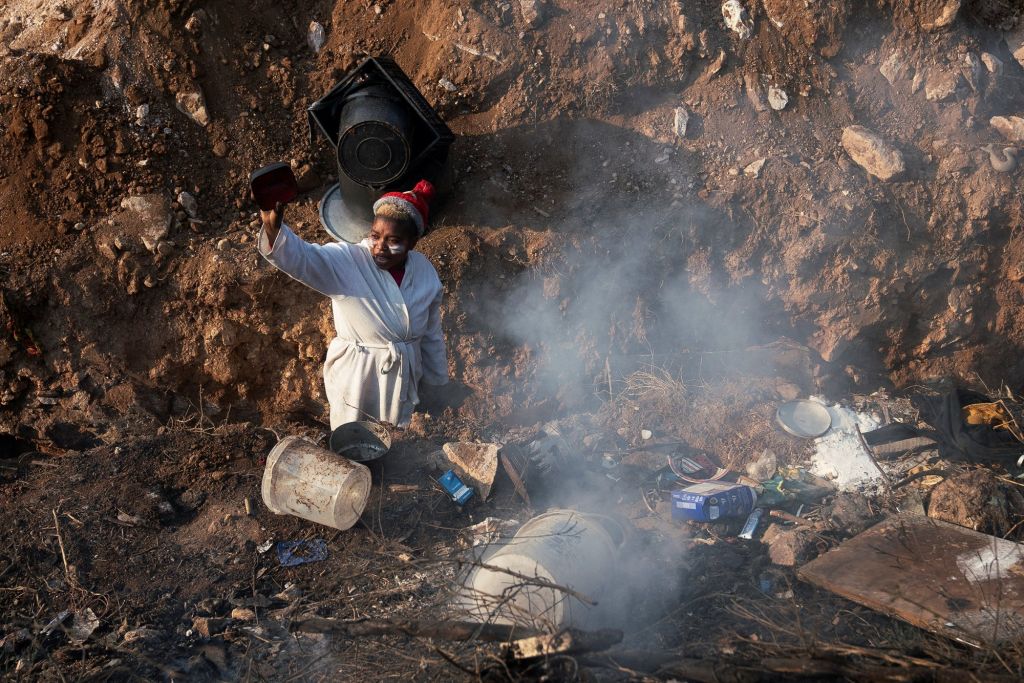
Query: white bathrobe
x=388 y=337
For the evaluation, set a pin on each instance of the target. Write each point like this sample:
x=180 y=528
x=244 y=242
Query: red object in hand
x=272 y=185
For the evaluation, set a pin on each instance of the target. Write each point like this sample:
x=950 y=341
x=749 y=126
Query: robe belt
x=388 y=364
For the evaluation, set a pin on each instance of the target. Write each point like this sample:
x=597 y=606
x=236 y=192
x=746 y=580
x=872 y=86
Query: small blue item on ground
x=712 y=501
x=294 y=553
x=459 y=492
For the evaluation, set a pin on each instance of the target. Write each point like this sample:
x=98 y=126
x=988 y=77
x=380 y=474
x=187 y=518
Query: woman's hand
x=272 y=222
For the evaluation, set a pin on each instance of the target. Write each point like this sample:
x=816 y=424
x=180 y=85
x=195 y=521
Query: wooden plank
x=937 y=576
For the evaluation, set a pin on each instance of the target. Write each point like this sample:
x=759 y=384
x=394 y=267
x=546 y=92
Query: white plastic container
x=561 y=547
x=310 y=482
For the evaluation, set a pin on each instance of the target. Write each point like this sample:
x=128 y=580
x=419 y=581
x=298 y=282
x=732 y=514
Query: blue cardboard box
x=712 y=501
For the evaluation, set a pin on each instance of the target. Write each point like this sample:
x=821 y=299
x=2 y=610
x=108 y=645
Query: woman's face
x=390 y=243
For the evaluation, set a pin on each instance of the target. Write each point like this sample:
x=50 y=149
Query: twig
x=63 y=554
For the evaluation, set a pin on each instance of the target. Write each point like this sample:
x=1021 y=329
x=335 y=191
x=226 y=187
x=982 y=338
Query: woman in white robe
x=386 y=300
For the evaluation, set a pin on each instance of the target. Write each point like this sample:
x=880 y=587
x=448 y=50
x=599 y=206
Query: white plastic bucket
x=310 y=482
x=566 y=548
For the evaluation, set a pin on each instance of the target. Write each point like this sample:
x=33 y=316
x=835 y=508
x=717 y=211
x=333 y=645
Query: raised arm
x=326 y=268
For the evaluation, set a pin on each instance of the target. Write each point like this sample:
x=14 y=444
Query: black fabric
x=957 y=439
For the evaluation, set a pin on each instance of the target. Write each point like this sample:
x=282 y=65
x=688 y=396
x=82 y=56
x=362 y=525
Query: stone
x=737 y=19
x=194 y=24
x=1015 y=41
x=447 y=85
x=893 y=68
x=992 y=63
x=1010 y=127
x=141 y=635
x=209 y=626
x=189 y=203
x=940 y=84
x=475 y=463
x=788 y=546
x=193 y=105
x=872 y=153
x=680 y=121
x=148 y=216
x=141 y=112
x=243 y=614
x=777 y=98
x=753 y=169
x=165 y=248
x=939 y=15
x=972 y=499
x=532 y=11
x=971 y=70
x=315 y=36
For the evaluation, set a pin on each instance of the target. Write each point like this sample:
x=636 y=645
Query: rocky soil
x=631 y=180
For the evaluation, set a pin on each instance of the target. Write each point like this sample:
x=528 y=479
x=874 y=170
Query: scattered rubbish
x=129 y=520
x=211 y=626
x=310 y=482
x=750 y=526
x=294 y=553
x=681 y=120
x=447 y=85
x=265 y=546
x=315 y=36
x=248 y=507
x=737 y=19
x=476 y=463
x=842 y=455
x=764 y=467
x=937 y=576
x=83 y=623
x=777 y=98
x=515 y=465
x=361 y=441
x=792 y=485
x=712 y=501
x=568 y=642
x=490 y=530
x=403 y=488
x=55 y=623
x=1002 y=159
x=549 y=573
x=804 y=418
x=453 y=486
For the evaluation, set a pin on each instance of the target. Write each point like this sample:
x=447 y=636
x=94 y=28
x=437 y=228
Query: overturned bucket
x=310 y=482
x=523 y=582
x=361 y=441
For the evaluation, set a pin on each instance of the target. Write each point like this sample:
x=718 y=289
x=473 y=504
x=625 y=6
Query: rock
x=893 y=68
x=243 y=614
x=737 y=19
x=475 y=463
x=972 y=499
x=315 y=36
x=148 y=216
x=189 y=203
x=646 y=434
x=764 y=467
x=938 y=14
x=164 y=248
x=851 y=513
x=142 y=634
x=1002 y=159
x=532 y=11
x=1010 y=127
x=448 y=85
x=193 y=105
x=992 y=63
x=682 y=118
x=788 y=546
x=194 y=24
x=141 y=112
x=971 y=70
x=777 y=98
x=940 y=84
x=753 y=170
x=209 y=626
x=1015 y=41
x=872 y=153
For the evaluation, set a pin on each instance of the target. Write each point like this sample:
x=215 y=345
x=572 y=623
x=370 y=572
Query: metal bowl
x=360 y=441
x=804 y=418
